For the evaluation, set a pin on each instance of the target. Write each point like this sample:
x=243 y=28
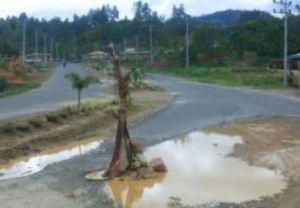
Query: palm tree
x=79 y=82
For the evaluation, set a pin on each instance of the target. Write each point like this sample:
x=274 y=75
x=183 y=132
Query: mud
x=68 y=133
x=273 y=143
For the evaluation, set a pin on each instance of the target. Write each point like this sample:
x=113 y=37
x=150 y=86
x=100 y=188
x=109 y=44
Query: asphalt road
x=195 y=105
x=51 y=95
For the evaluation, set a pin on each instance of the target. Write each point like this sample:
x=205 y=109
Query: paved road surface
x=195 y=106
x=52 y=94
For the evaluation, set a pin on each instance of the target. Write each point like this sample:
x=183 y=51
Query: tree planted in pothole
x=79 y=83
x=134 y=156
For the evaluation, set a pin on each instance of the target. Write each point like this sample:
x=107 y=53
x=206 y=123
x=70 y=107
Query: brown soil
x=61 y=131
x=273 y=143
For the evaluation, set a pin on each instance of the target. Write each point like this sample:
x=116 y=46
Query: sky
x=66 y=8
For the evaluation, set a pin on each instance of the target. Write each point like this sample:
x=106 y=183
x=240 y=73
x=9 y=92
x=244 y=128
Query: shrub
x=3 y=84
x=7 y=128
x=37 y=122
x=23 y=126
x=54 y=118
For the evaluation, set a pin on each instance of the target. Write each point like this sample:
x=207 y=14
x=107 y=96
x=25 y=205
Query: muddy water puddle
x=199 y=172
x=37 y=163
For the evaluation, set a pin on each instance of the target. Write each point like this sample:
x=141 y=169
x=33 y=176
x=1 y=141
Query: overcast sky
x=66 y=8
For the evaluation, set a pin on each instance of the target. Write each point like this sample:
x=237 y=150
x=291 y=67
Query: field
x=245 y=77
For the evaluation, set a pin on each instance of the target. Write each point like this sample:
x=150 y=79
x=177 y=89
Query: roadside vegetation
x=33 y=134
x=16 y=78
x=246 y=77
x=20 y=137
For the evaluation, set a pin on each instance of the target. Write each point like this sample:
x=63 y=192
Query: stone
x=158 y=165
x=140 y=157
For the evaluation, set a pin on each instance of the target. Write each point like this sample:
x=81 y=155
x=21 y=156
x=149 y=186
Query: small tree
x=79 y=82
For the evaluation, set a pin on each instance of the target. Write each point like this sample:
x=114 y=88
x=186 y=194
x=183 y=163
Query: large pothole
x=199 y=172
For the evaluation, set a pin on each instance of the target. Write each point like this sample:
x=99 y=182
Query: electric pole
x=56 y=52
x=285 y=10
x=36 y=43
x=24 y=42
x=137 y=50
x=45 y=48
x=124 y=48
x=51 y=50
x=151 y=44
x=187 y=61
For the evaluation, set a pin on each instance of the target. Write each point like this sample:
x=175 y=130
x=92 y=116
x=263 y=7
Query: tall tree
x=142 y=12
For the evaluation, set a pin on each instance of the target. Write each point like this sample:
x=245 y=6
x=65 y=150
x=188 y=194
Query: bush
x=37 y=122
x=23 y=126
x=7 y=128
x=3 y=84
x=53 y=118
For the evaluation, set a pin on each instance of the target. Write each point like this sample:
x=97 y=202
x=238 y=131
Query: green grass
x=29 y=82
x=15 y=89
x=246 y=77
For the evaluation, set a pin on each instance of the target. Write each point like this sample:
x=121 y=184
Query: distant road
x=50 y=96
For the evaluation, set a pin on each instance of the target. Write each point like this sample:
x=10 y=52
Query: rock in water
x=158 y=165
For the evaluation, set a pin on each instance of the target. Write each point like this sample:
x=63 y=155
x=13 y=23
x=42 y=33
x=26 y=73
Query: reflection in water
x=39 y=162
x=129 y=191
x=199 y=172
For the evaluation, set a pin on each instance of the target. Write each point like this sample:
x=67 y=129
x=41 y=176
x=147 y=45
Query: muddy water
x=37 y=163
x=199 y=172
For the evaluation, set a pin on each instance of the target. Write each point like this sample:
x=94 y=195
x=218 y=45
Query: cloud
x=66 y=8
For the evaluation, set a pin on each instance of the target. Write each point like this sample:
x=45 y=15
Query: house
x=37 y=57
x=97 y=55
x=132 y=53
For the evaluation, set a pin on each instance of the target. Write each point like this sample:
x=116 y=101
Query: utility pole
x=24 y=42
x=51 y=50
x=285 y=10
x=36 y=43
x=45 y=48
x=151 y=44
x=187 y=61
x=137 y=50
x=124 y=48
x=56 y=52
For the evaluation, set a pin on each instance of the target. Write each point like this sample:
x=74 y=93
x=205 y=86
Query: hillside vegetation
x=223 y=38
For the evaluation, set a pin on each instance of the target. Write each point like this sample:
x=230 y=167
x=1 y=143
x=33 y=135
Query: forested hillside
x=218 y=38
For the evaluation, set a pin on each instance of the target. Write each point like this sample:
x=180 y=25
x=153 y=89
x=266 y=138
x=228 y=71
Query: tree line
x=216 y=39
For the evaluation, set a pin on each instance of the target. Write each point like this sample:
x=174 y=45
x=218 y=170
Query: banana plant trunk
x=122 y=134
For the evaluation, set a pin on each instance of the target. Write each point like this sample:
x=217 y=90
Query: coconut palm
x=80 y=82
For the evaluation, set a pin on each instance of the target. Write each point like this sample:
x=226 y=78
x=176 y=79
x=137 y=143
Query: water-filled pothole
x=38 y=163
x=199 y=172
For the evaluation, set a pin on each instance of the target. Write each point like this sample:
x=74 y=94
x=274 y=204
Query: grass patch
x=37 y=122
x=247 y=77
x=7 y=128
x=26 y=81
x=14 y=89
x=64 y=115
